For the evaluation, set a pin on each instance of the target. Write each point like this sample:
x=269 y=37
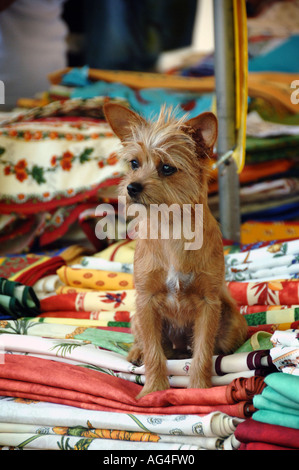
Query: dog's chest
x=178 y=282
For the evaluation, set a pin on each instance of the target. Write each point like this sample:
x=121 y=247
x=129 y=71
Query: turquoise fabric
x=283 y=58
x=147 y=101
x=278 y=403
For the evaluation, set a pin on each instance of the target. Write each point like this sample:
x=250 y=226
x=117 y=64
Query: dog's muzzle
x=134 y=189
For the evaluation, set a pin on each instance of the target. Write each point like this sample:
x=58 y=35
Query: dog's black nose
x=134 y=189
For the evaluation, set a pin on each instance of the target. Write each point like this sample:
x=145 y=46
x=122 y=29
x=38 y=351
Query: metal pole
x=228 y=179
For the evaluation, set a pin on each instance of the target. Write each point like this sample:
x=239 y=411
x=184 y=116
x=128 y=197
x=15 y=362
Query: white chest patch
x=177 y=281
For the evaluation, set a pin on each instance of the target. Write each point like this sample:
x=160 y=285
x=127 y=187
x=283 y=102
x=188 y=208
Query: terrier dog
x=182 y=302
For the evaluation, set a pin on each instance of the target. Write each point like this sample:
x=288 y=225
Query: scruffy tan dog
x=182 y=301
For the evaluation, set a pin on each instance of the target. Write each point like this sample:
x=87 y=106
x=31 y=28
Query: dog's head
x=167 y=158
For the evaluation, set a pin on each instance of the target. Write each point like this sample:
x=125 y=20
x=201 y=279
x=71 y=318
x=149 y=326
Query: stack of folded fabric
x=275 y=424
x=67 y=358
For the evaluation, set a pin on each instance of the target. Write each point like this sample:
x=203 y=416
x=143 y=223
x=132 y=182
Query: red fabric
x=262 y=446
x=270 y=328
x=58 y=303
x=288 y=293
x=46 y=380
x=33 y=274
x=253 y=432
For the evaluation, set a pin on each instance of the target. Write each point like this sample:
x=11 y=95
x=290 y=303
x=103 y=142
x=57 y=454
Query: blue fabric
x=147 y=101
x=284 y=58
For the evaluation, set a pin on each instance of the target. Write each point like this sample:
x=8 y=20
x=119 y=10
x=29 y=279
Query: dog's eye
x=168 y=170
x=134 y=164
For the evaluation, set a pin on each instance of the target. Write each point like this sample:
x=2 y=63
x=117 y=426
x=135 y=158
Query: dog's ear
x=205 y=127
x=121 y=119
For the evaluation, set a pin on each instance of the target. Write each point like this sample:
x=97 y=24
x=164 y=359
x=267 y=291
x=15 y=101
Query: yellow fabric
x=95 y=279
x=253 y=232
x=122 y=251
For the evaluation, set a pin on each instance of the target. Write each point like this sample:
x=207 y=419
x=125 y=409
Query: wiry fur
x=182 y=304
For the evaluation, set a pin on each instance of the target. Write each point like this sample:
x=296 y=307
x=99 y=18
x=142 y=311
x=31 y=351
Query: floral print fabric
x=278 y=261
x=285 y=351
x=77 y=155
x=55 y=426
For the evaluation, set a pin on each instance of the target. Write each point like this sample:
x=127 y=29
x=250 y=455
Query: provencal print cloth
x=47 y=163
x=273 y=262
x=51 y=425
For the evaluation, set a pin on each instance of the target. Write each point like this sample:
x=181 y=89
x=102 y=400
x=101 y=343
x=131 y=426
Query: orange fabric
x=252 y=232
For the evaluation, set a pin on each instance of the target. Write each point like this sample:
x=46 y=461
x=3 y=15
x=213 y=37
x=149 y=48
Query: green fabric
x=275 y=397
x=279 y=401
x=264 y=149
x=112 y=340
x=258 y=341
x=262 y=403
x=280 y=419
x=285 y=384
x=17 y=300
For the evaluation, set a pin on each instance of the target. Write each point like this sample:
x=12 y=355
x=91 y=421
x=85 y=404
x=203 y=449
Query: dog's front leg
x=205 y=329
x=150 y=330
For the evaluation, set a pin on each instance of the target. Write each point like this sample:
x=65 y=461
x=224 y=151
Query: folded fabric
x=279 y=402
x=251 y=431
x=66 y=328
x=94 y=262
x=95 y=279
x=279 y=261
x=52 y=442
x=263 y=254
x=285 y=351
x=46 y=286
x=121 y=251
x=91 y=301
x=262 y=446
x=17 y=300
x=119 y=316
x=148 y=101
x=261 y=340
x=255 y=231
x=247 y=309
x=40 y=379
x=288 y=315
x=272 y=327
x=106 y=351
x=30 y=267
x=212 y=431
x=265 y=293
x=32 y=152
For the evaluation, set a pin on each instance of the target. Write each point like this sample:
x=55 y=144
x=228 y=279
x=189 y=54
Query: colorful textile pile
x=275 y=424
x=70 y=357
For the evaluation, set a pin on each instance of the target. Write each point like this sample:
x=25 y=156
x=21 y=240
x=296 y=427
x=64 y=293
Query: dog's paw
x=155 y=387
x=135 y=356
